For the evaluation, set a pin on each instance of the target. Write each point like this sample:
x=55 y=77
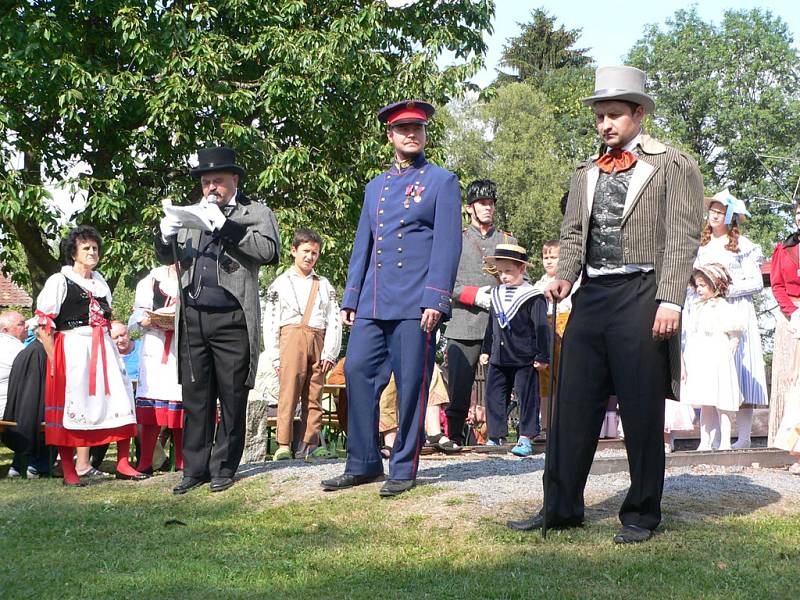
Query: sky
x=610 y=29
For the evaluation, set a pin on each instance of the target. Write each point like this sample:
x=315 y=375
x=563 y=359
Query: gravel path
x=506 y=484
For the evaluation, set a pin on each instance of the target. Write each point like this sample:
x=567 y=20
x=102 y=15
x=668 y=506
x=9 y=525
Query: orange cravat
x=616 y=160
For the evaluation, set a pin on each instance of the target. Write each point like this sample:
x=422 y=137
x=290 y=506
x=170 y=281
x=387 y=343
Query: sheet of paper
x=191 y=217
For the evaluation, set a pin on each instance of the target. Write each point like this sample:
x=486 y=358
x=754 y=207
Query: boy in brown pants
x=303 y=336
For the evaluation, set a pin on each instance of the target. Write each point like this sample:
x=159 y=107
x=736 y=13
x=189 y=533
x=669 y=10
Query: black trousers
x=500 y=380
x=462 y=358
x=220 y=351
x=608 y=341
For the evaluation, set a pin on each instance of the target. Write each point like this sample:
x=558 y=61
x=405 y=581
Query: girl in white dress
x=709 y=377
x=722 y=243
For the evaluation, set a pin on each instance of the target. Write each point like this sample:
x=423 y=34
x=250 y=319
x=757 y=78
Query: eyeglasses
x=714 y=211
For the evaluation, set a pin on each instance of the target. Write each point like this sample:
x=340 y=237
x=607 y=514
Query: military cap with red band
x=406 y=111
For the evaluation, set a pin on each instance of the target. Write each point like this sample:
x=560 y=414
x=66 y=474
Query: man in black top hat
x=219 y=279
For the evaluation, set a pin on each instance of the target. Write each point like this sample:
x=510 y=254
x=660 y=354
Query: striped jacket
x=661 y=222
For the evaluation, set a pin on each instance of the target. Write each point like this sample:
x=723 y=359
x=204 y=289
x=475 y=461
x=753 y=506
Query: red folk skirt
x=54 y=395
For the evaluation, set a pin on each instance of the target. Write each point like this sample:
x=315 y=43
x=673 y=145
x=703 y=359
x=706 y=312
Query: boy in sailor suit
x=515 y=347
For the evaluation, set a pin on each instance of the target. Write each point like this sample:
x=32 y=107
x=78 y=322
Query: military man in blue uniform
x=399 y=286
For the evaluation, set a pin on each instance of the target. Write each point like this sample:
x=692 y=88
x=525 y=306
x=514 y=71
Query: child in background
x=550 y=253
x=516 y=347
x=709 y=377
x=303 y=336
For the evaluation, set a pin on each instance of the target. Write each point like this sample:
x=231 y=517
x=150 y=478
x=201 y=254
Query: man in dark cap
x=471 y=301
x=219 y=300
x=631 y=232
x=399 y=286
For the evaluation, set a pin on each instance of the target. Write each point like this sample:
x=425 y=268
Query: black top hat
x=217 y=159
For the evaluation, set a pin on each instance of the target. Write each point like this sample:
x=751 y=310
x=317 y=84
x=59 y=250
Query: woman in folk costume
x=88 y=398
x=158 y=393
x=784 y=418
x=722 y=243
x=712 y=332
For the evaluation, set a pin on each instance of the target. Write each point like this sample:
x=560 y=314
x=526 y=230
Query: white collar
x=96 y=285
x=294 y=272
x=633 y=143
x=504 y=308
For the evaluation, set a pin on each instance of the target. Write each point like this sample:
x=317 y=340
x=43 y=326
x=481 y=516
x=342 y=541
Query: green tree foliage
x=541 y=48
x=728 y=93
x=543 y=56
x=127 y=90
x=512 y=140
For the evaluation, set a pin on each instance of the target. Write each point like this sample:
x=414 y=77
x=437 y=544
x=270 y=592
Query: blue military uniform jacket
x=407 y=246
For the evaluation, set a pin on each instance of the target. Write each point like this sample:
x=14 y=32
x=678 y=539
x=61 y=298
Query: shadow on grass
x=113 y=542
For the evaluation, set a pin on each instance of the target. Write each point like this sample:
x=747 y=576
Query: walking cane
x=182 y=292
x=550 y=409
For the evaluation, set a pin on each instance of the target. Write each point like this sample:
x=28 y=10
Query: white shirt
x=9 y=348
x=287 y=297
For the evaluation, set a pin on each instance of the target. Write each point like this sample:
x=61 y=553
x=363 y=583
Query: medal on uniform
x=409 y=192
x=418 y=193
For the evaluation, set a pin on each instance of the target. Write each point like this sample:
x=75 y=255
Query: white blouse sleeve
x=272 y=324
x=746 y=270
x=333 y=325
x=143 y=300
x=48 y=304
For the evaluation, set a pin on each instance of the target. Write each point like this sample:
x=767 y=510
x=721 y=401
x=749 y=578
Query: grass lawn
x=120 y=540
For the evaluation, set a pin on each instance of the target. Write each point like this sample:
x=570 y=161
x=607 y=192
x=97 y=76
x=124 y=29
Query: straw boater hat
x=621 y=83
x=509 y=252
x=734 y=208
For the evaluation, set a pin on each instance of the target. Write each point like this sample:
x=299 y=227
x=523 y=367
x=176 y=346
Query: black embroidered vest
x=605 y=233
x=75 y=308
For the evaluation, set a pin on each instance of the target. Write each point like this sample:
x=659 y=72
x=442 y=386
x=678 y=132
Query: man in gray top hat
x=471 y=301
x=631 y=232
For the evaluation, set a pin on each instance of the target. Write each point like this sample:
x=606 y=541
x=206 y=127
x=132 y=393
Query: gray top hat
x=620 y=83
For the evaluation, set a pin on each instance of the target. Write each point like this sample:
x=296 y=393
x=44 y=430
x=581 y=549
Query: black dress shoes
x=344 y=481
x=535 y=522
x=220 y=484
x=137 y=477
x=187 y=483
x=632 y=534
x=395 y=487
